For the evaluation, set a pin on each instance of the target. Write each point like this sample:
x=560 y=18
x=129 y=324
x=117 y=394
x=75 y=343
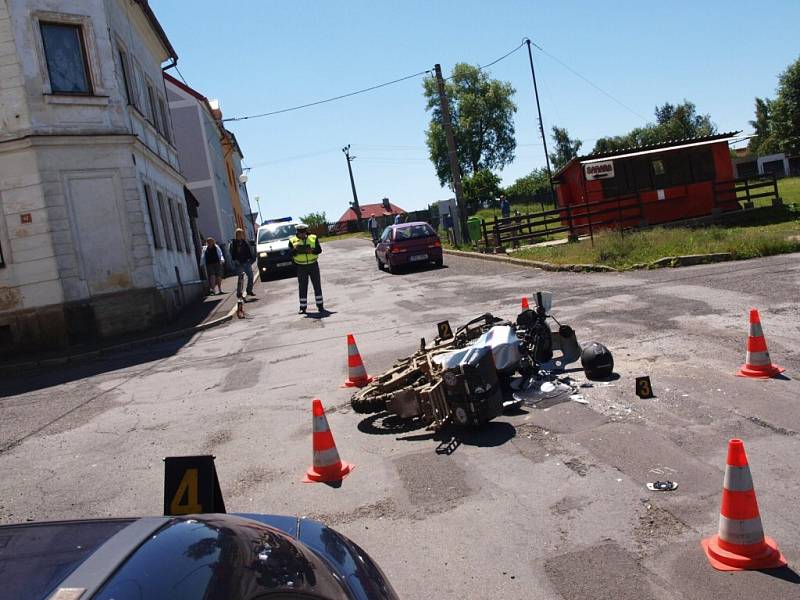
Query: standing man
x=305 y=251
x=505 y=206
x=398 y=218
x=372 y=225
x=243 y=257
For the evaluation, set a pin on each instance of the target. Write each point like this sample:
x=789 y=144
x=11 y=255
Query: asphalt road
x=545 y=503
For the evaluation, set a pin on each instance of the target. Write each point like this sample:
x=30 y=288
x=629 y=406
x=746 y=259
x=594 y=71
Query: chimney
x=386 y=206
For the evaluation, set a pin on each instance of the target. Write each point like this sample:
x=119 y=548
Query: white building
x=211 y=161
x=94 y=231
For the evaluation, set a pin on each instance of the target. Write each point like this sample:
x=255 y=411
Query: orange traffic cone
x=356 y=372
x=326 y=465
x=757 y=362
x=740 y=544
x=525 y=305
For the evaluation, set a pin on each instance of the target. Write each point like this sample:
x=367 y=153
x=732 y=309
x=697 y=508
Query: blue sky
x=261 y=55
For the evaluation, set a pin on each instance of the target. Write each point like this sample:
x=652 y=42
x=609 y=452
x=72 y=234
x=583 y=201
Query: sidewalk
x=210 y=312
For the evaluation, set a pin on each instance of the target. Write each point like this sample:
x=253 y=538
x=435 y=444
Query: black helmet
x=597 y=361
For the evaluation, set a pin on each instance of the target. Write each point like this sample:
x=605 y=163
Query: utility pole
x=356 y=207
x=451 y=152
x=541 y=125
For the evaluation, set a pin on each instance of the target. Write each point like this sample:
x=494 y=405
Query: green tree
x=314 y=219
x=673 y=122
x=482 y=112
x=535 y=182
x=566 y=148
x=480 y=186
x=785 y=114
x=763 y=142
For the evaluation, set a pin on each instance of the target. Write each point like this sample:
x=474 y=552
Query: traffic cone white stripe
x=325 y=458
x=758 y=359
x=743 y=532
x=359 y=372
x=320 y=424
x=756 y=330
x=738 y=479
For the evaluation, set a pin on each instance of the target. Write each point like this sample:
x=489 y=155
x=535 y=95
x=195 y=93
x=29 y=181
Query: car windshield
x=413 y=232
x=281 y=232
x=35 y=558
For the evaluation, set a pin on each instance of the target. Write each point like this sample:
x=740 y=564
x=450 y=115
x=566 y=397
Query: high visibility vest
x=304 y=259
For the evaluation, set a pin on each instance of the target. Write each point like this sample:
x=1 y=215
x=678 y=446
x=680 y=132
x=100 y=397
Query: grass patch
x=789 y=190
x=643 y=247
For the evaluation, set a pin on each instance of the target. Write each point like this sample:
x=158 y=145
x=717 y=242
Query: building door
x=100 y=242
x=774 y=167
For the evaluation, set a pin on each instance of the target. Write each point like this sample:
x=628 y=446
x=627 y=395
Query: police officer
x=305 y=251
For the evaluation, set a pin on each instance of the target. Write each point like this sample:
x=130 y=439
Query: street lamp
x=243 y=178
x=258 y=204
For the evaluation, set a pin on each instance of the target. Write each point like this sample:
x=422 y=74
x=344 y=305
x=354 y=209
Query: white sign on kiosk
x=599 y=170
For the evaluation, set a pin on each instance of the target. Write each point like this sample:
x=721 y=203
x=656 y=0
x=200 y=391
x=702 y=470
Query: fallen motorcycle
x=459 y=378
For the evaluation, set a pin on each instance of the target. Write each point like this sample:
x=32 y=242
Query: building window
x=152 y=215
x=138 y=94
x=151 y=107
x=123 y=61
x=176 y=226
x=166 y=221
x=164 y=122
x=67 y=63
x=182 y=214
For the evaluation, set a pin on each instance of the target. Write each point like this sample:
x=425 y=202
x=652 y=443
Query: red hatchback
x=408 y=244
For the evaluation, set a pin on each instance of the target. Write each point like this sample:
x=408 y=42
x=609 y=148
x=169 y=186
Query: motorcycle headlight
x=262 y=254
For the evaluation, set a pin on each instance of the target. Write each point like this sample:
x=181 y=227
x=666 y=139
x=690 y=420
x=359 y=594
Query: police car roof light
x=281 y=220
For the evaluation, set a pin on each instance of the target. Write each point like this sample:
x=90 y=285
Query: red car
x=408 y=244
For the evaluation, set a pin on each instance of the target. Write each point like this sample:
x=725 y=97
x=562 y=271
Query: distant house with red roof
x=384 y=212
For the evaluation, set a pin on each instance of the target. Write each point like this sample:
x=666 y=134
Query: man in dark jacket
x=242 y=256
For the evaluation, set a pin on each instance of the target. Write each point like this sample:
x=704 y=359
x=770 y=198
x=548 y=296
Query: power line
x=494 y=62
x=318 y=102
x=594 y=85
x=357 y=92
x=183 y=79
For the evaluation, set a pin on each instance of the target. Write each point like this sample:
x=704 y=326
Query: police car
x=196 y=551
x=272 y=247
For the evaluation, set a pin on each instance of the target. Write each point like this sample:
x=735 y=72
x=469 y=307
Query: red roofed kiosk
x=659 y=183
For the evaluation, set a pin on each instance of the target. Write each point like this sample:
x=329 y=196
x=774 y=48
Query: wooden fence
x=621 y=213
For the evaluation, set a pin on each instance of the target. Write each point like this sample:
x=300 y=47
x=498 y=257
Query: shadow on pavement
x=784 y=573
x=45 y=377
x=492 y=434
x=322 y=314
x=406 y=270
x=385 y=423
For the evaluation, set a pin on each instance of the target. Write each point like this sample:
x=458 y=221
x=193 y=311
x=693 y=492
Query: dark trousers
x=303 y=273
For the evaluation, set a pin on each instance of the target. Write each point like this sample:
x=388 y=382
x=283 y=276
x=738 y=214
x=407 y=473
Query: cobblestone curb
x=95 y=354
x=668 y=261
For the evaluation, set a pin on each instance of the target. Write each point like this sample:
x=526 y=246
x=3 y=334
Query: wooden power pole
x=451 y=151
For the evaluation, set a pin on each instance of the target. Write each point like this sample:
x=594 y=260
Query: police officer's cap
x=301 y=227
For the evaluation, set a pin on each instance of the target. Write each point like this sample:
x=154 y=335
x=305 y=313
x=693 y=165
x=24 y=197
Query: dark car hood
x=364 y=578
